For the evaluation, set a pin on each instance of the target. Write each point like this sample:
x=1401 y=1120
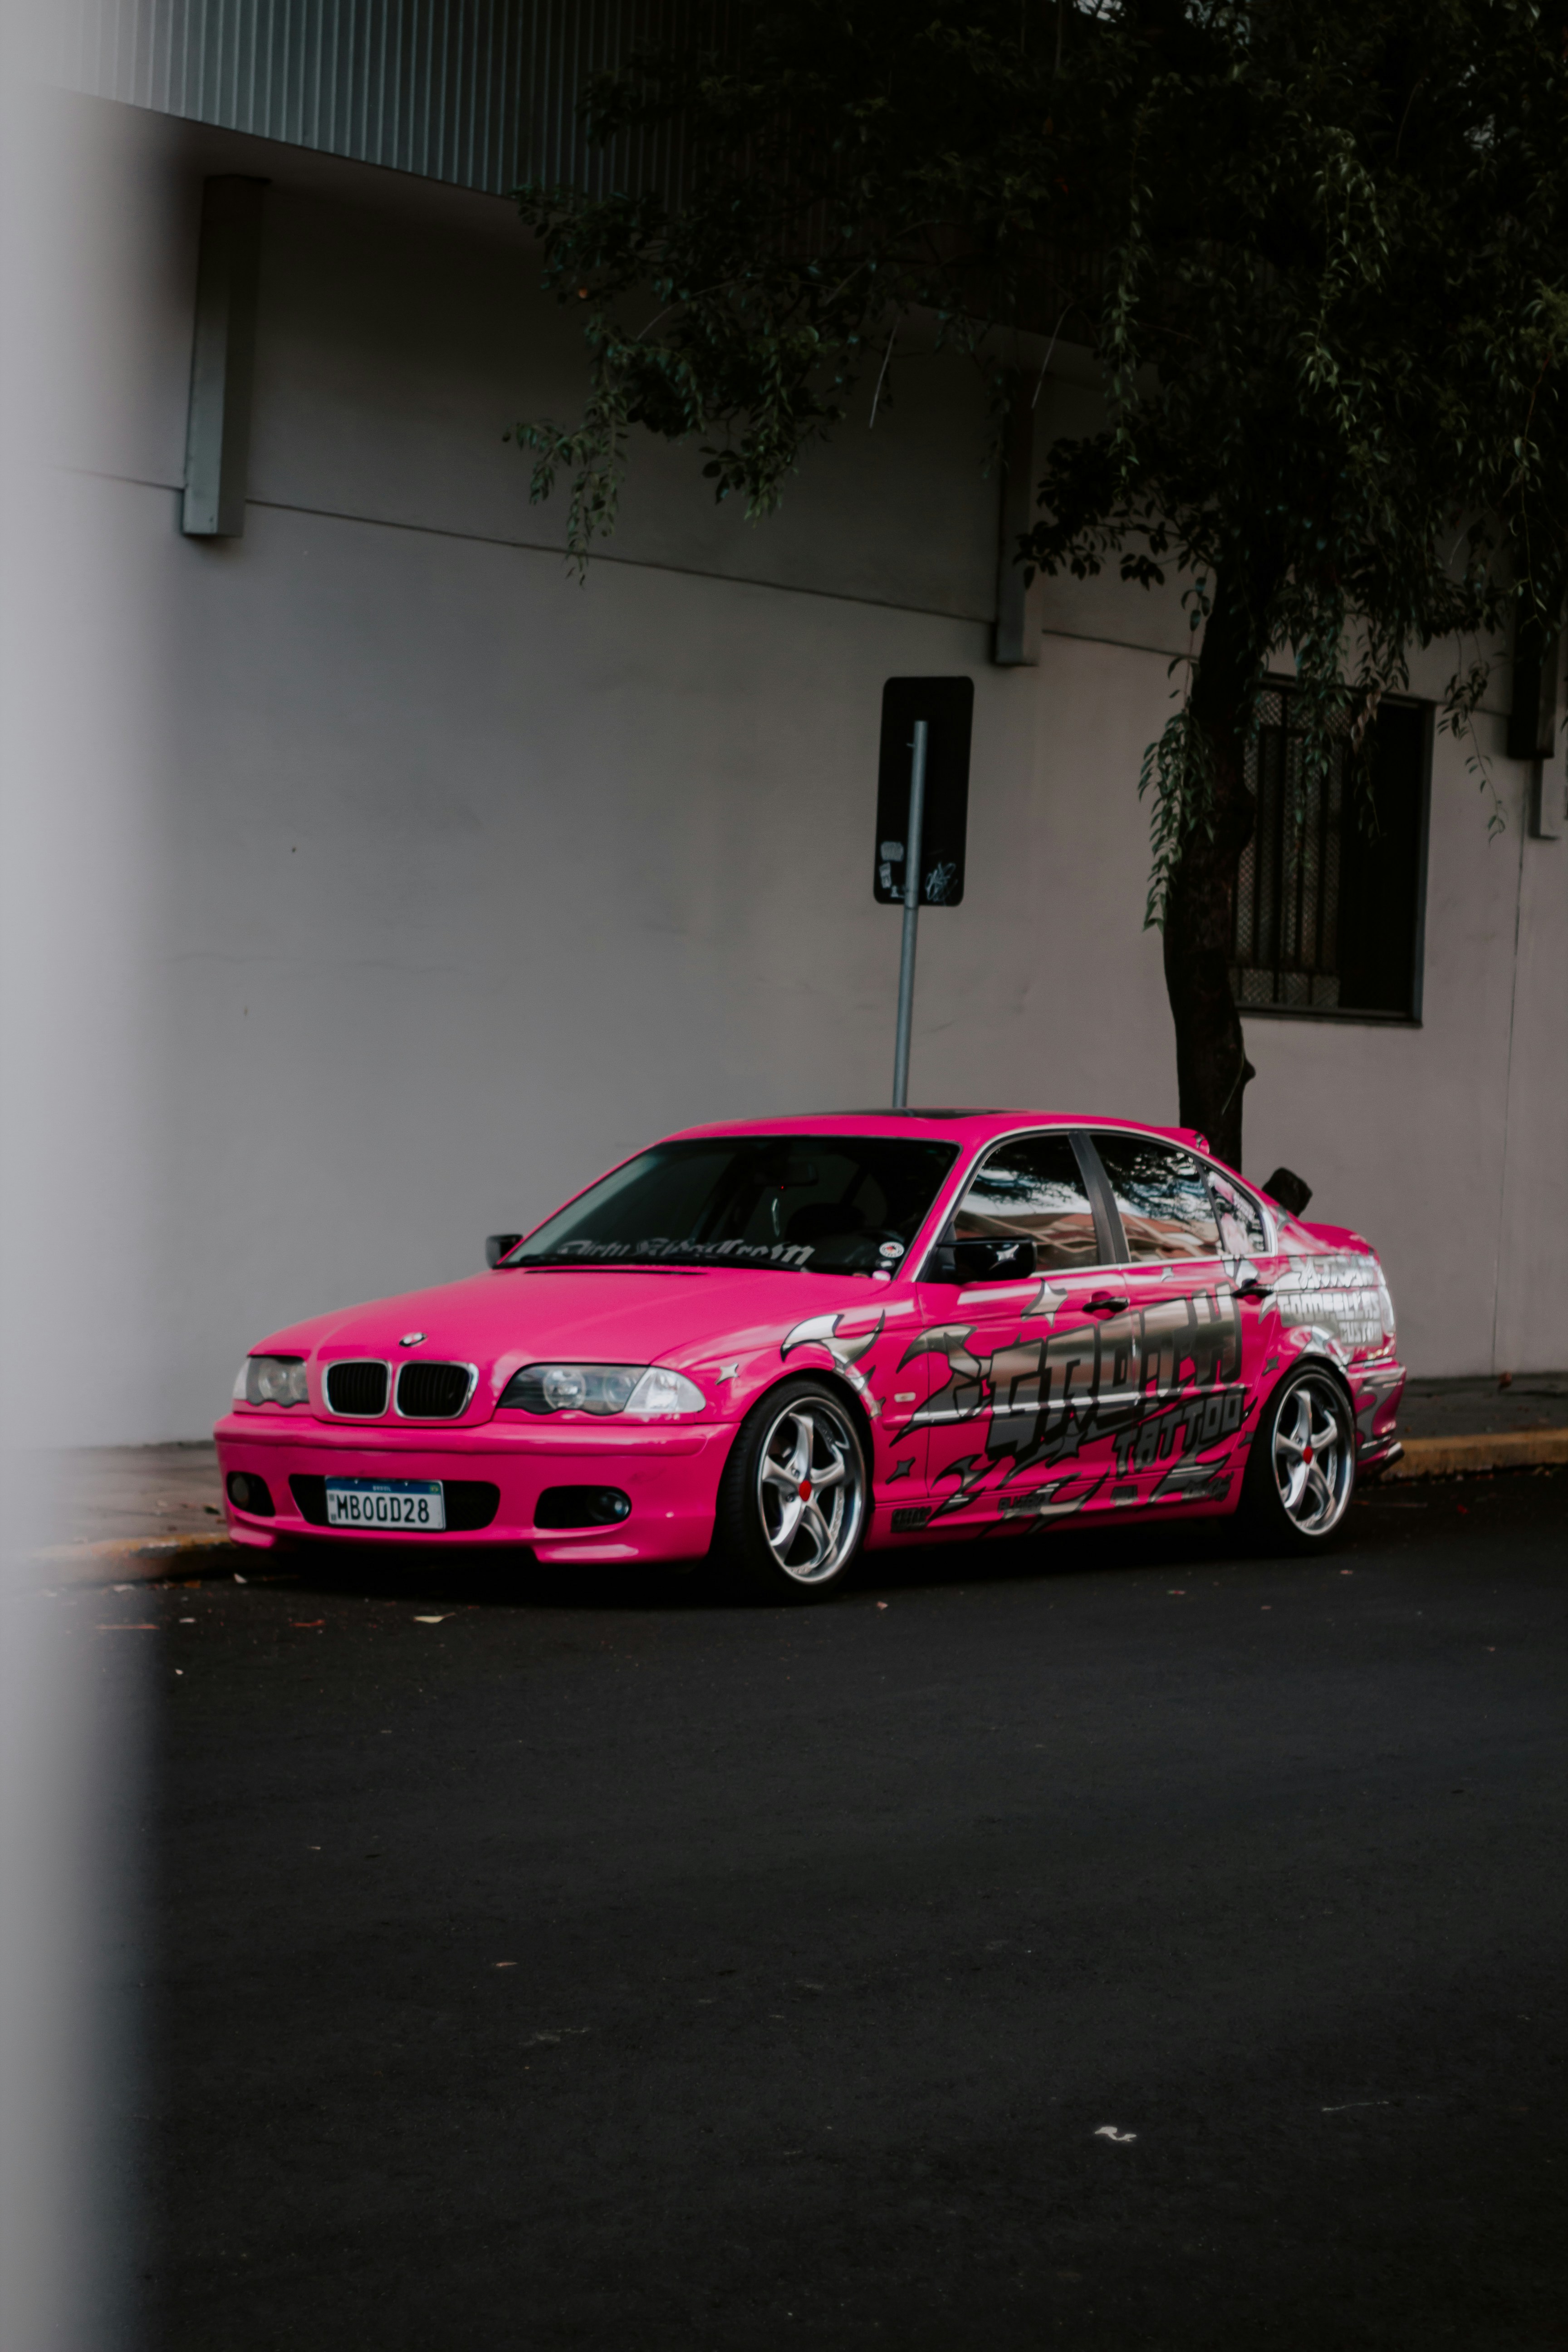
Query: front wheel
x=792 y=1502
x=1300 y=1473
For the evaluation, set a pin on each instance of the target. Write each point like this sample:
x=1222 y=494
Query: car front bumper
x=669 y=1474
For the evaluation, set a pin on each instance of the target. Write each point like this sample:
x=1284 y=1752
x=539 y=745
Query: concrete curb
x=122 y=1559
x=116 y=1547
x=1505 y=1449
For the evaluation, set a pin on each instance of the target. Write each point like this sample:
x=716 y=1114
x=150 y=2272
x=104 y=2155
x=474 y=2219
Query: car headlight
x=663 y=1392
x=601 y=1388
x=272 y=1379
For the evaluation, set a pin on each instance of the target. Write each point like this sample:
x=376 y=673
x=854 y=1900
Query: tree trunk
x=1212 y=1067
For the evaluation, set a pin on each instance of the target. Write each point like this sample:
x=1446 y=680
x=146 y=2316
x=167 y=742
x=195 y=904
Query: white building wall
x=442 y=881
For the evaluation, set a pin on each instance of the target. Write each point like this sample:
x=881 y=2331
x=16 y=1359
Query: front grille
x=357 y=1389
x=433 y=1391
x=471 y=1503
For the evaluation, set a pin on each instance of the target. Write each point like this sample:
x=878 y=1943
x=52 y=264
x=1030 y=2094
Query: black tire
x=1300 y=1469
x=770 y=1544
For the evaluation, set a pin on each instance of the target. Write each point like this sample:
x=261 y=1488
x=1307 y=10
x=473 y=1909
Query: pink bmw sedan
x=775 y=1344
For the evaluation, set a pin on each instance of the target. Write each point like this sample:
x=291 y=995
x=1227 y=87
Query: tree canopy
x=1319 y=250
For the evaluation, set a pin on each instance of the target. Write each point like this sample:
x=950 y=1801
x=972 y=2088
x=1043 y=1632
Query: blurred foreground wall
x=80 y=1169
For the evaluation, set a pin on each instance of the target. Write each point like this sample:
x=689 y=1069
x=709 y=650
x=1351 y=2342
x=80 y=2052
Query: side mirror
x=998 y=1258
x=1289 y=1189
x=498 y=1245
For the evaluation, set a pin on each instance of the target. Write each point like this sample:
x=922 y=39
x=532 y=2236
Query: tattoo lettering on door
x=1159 y=1381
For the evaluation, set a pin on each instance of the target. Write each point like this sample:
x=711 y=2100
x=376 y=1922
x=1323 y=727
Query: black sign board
x=947 y=706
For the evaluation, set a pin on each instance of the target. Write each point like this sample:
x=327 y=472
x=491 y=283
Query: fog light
x=248 y=1493
x=581 y=1507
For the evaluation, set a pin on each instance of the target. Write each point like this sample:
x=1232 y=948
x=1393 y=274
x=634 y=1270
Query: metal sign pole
x=911 y=917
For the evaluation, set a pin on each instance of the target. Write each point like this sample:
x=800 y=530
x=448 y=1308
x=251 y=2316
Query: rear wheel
x=1300 y=1473
x=792 y=1502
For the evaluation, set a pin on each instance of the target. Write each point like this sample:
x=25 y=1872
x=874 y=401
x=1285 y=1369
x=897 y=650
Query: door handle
x=1102 y=1302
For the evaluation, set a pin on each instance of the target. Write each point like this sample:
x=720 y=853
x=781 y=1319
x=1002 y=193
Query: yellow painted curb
x=1505 y=1449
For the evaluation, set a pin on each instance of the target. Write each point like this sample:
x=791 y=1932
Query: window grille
x=1329 y=888
x=1288 y=888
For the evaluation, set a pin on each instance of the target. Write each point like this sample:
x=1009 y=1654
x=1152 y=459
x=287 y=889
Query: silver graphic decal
x=822 y=1331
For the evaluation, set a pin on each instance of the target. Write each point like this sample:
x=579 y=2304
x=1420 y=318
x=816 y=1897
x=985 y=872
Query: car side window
x=1242 y=1231
x=1033 y=1186
x=1166 y=1211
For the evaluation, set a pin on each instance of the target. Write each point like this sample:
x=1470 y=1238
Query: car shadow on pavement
x=512 y=1578
x=1382 y=1520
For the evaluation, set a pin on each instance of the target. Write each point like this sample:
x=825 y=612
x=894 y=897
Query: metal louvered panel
x=482 y=93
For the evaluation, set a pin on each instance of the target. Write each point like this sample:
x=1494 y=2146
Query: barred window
x=1331 y=888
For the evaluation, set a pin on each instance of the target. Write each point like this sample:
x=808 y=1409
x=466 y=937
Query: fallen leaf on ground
x=432 y=1620
x=1108 y=2131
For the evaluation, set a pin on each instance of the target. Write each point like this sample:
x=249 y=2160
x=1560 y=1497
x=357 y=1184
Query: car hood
x=506 y=1318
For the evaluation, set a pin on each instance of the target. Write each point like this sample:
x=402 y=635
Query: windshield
x=827 y=1204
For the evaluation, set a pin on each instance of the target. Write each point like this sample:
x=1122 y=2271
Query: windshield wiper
x=717 y=1257
x=596 y=1266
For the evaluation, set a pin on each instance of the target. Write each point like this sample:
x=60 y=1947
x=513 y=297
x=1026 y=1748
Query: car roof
x=971 y=1126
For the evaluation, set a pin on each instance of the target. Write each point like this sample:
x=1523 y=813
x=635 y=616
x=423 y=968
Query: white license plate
x=418 y=1504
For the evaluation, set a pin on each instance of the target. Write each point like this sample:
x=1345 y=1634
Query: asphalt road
x=1107 y=1947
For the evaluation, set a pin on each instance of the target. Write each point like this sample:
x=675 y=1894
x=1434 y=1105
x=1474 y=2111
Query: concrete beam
x=223 y=359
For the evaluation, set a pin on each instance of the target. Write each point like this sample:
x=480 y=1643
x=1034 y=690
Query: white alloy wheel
x=810 y=1489
x=1301 y=1464
x=1314 y=1458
